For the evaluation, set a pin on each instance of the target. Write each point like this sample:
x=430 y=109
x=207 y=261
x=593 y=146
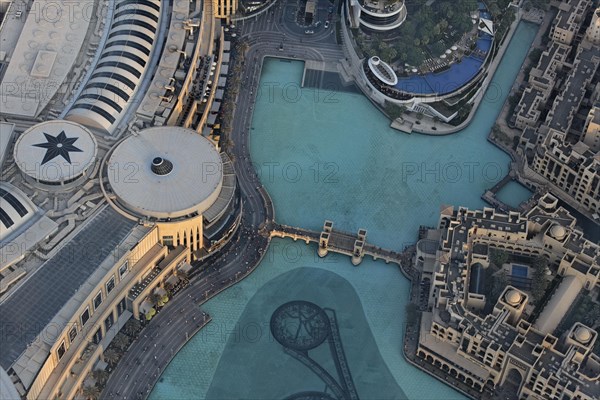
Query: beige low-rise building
x=542 y=79
x=500 y=349
x=84 y=296
x=569 y=19
x=556 y=149
x=591 y=131
x=593 y=32
x=574 y=169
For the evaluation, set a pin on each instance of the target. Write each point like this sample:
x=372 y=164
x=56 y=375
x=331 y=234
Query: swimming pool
x=456 y=76
x=519 y=270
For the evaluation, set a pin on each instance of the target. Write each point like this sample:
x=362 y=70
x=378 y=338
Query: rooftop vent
x=160 y=166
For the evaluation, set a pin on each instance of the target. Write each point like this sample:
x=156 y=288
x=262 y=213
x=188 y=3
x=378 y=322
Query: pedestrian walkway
x=336 y=241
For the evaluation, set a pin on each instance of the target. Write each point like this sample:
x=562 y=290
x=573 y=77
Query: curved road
x=145 y=360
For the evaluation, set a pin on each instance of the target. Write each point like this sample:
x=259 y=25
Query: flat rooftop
x=50 y=42
x=25 y=313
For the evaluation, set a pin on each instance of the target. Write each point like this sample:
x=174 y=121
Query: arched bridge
x=329 y=239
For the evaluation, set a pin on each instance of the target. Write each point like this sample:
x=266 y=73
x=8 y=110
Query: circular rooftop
x=165 y=172
x=55 y=152
x=558 y=232
x=583 y=334
x=513 y=297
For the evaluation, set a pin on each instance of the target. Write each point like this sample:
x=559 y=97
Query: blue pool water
x=456 y=76
x=444 y=82
x=519 y=270
x=484 y=43
x=331 y=155
x=513 y=194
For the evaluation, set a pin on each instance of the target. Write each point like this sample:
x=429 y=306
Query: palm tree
x=111 y=356
x=91 y=392
x=132 y=327
x=154 y=298
x=101 y=376
x=593 y=316
x=121 y=341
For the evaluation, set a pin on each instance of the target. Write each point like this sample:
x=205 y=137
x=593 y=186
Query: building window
x=110 y=285
x=61 y=350
x=109 y=321
x=168 y=241
x=97 y=336
x=123 y=270
x=85 y=316
x=121 y=307
x=73 y=333
x=97 y=300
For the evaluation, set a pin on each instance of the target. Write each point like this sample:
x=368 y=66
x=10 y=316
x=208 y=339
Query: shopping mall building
x=114 y=187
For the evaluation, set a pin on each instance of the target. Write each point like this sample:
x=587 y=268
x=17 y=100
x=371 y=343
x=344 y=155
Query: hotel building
x=509 y=349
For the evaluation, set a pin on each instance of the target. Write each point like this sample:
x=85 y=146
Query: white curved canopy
x=382 y=71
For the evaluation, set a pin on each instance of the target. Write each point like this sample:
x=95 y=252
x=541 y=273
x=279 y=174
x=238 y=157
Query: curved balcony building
x=379 y=15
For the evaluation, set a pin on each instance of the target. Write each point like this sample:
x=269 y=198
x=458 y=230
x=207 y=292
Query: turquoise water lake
x=513 y=194
x=331 y=155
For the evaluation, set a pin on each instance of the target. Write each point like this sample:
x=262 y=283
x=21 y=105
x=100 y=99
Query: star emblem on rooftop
x=59 y=145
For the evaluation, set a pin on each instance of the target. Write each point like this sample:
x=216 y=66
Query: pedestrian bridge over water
x=329 y=239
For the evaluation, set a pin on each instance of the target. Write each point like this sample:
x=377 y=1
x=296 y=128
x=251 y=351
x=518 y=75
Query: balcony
x=382 y=6
x=138 y=288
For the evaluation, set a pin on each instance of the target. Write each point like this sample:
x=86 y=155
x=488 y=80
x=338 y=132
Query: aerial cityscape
x=299 y=199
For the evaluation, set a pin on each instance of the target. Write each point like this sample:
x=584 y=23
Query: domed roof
x=166 y=172
x=55 y=151
x=513 y=297
x=583 y=334
x=558 y=232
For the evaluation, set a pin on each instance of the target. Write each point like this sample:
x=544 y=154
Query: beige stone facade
x=569 y=20
x=225 y=8
x=574 y=169
x=591 y=131
x=593 y=32
x=501 y=350
x=557 y=149
x=74 y=341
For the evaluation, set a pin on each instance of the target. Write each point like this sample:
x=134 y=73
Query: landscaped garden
x=431 y=28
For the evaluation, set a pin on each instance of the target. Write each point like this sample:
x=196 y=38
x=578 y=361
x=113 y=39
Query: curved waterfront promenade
x=424 y=84
x=182 y=318
x=234 y=262
x=245 y=251
x=239 y=257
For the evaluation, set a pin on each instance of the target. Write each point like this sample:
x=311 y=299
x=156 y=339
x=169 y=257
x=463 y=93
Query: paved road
x=138 y=371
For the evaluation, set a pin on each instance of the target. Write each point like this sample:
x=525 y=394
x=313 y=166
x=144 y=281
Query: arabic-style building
x=506 y=348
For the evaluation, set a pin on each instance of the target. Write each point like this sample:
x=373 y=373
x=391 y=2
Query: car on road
x=309 y=32
x=326 y=24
